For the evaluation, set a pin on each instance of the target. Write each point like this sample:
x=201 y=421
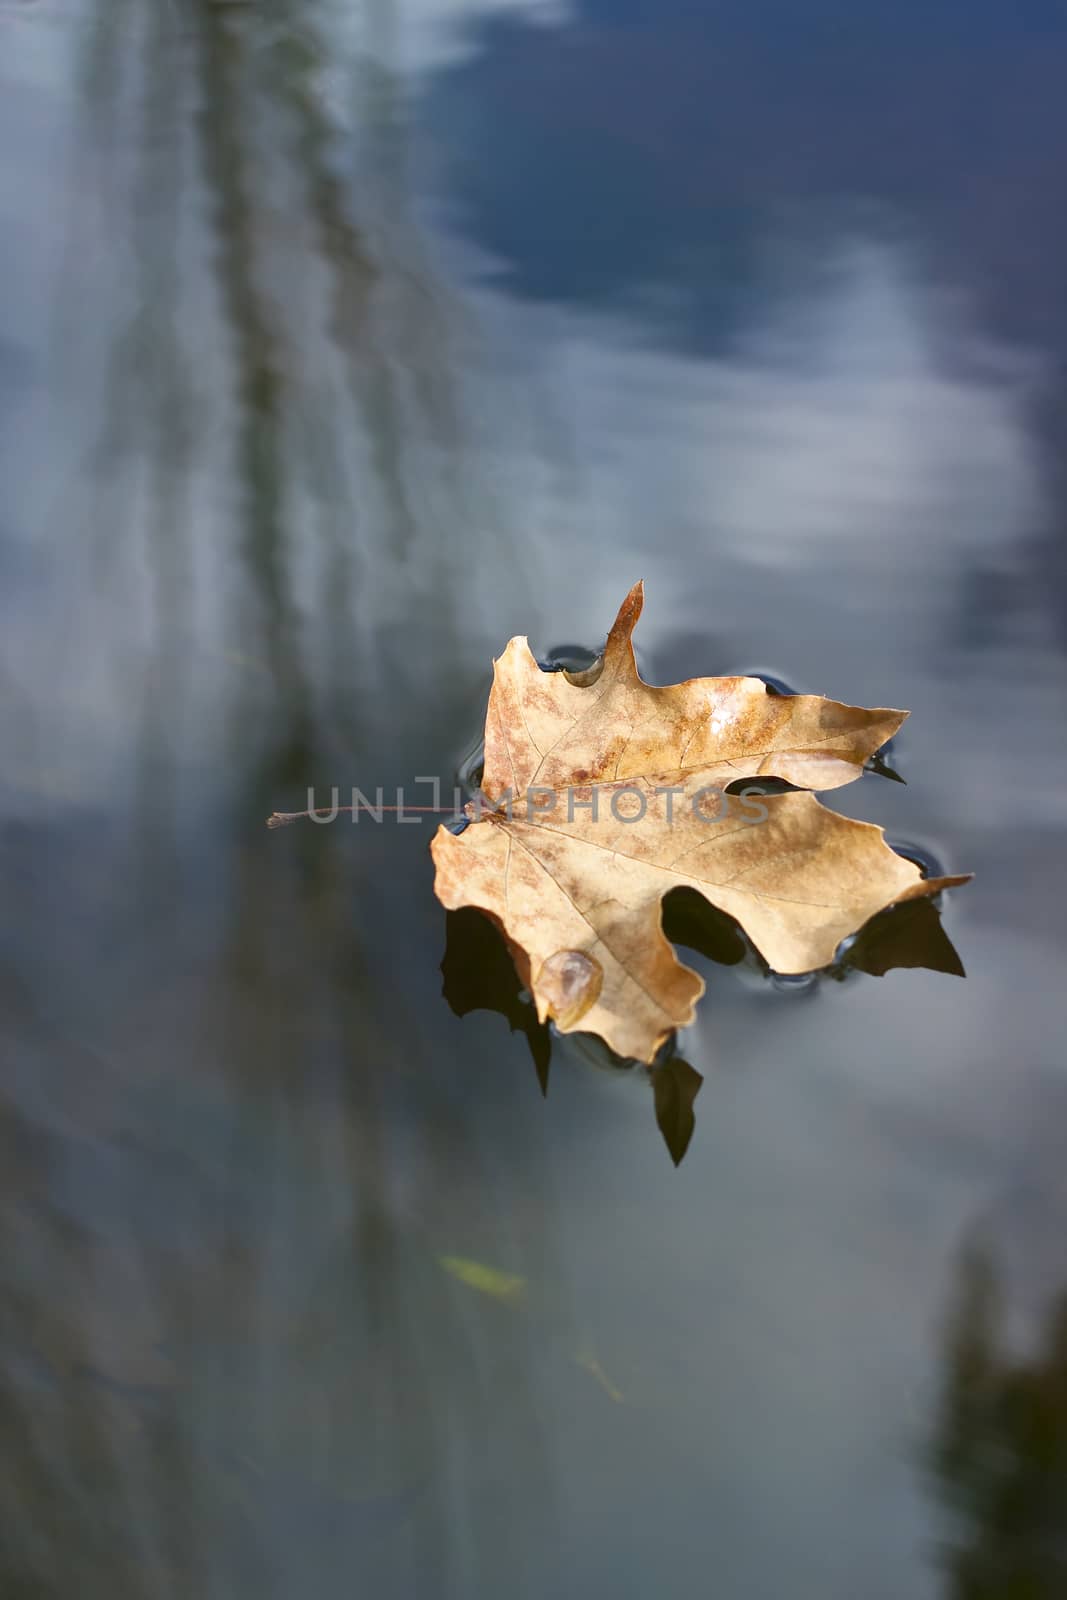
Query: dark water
x=338 y=344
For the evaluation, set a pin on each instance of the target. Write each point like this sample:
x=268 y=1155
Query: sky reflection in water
x=335 y=348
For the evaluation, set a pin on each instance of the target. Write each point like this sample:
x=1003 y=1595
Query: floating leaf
x=603 y=793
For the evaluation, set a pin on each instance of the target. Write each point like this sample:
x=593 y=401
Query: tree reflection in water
x=1000 y=1453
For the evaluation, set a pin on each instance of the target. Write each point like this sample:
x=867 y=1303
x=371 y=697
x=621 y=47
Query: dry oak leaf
x=616 y=801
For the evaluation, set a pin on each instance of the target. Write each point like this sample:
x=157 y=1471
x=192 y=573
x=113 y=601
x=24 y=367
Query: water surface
x=338 y=345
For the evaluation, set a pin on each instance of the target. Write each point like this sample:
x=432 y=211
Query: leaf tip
x=626 y=621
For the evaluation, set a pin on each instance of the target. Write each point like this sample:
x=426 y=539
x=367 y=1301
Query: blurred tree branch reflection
x=229 y=1361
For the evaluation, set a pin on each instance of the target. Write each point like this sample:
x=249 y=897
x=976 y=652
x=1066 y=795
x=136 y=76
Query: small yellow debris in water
x=487 y=1280
x=590 y=1364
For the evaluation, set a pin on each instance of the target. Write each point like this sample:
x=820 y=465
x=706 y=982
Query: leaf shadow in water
x=479 y=975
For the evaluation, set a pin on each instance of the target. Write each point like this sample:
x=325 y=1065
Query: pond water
x=338 y=344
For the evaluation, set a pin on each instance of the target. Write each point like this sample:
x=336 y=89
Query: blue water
x=338 y=345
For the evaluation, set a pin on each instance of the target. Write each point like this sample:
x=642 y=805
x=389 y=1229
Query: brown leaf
x=618 y=799
x=558 y=729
